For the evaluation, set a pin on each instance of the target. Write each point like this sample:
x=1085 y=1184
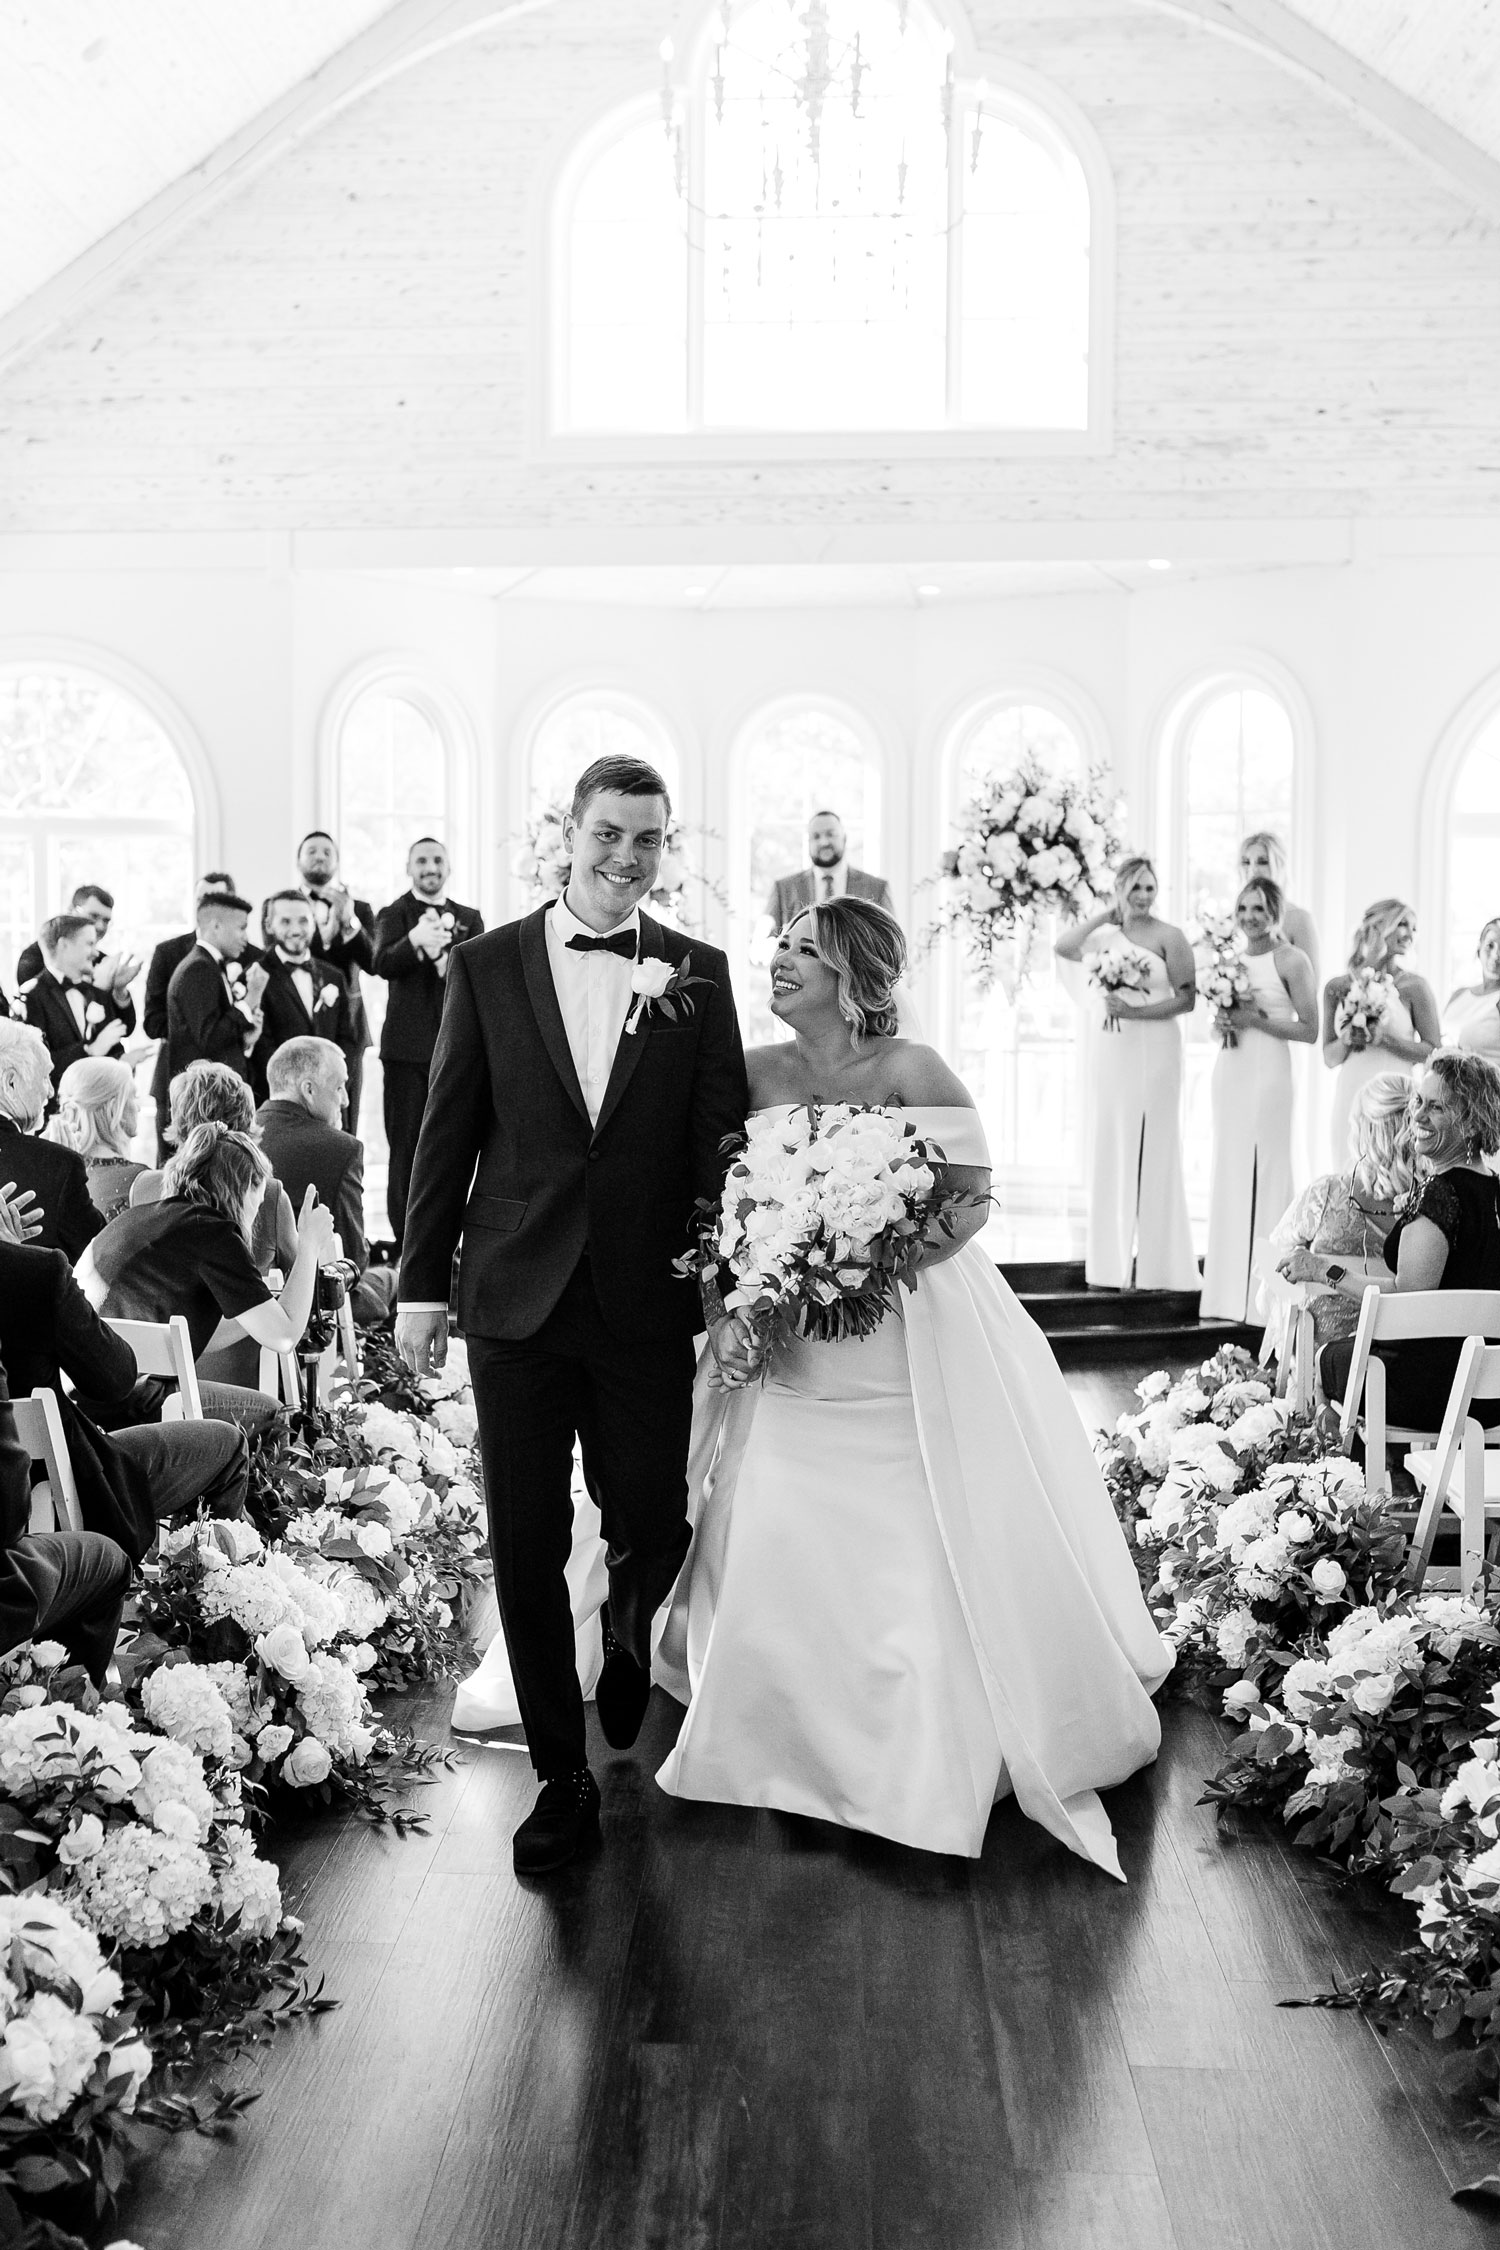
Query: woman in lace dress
x=1138 y=1231
x=907 y=1592
x=1407 y=1033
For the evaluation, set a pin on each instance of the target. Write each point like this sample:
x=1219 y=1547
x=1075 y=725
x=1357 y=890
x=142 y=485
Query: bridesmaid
x=1265 y=854
x=1472 y=1016
x=1410 y=1030
x=1138 y=1232
x=1252 y=1102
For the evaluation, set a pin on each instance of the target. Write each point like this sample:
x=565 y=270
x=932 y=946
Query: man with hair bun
x=414 y=940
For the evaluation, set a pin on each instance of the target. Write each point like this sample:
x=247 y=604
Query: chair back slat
x=39 y=1427
x=164 y=1348
x=1405 y=1314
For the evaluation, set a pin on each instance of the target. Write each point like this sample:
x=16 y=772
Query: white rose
x=651 y=977
x=372 y=1538
x=361 y=1657
x=175 y=1820
x=1328 y=1578
x=308 y=1764
x=271 y=1742
x=83 y=1839
x=1373 y=1695
x=47 y=1655
x=1243 y=1696
x=283 y=1650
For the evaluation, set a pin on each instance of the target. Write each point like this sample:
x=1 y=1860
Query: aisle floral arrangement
x=544 y=862
x=1370 y=1712
x=1032 y=842
x=145 y=1934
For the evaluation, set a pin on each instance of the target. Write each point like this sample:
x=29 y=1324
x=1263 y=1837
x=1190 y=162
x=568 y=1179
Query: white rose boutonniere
x=93 y=1014
x=665 y=985
x=328 y=996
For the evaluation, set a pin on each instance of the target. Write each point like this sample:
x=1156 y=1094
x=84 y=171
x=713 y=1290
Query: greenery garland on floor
x=142 y=1932
x=1371 y=1714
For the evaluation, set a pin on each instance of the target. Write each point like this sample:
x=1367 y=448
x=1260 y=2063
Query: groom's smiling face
x=617 y=846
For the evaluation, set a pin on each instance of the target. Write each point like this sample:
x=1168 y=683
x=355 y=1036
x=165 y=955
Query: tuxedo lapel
x=288 y=983
x=632 y=1043
x=542 y=993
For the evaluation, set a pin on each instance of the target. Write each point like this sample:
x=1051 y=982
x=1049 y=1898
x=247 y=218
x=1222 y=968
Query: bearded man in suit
x=829 y=875
x=573 y=1125
x=345 y=938
x=304 y=998
x=414 y=940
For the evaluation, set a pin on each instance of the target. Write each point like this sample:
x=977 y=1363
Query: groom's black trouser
x=630 y=1405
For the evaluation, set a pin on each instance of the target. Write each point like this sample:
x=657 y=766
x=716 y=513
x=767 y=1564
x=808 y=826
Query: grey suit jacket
x=792 y=893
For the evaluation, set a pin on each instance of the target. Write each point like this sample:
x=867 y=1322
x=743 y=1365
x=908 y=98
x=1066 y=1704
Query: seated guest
x=1339 y=1222
x=65 y=1005
x=67 y=1586
x=189 y=1253
x=305 y=998
x=127 y=1475
x=209 y=1093
x=299 y=1130
x=1448 y=1236
x=55 y=1176
x=113 y=972
x=168 y=956
x=97 y=1115
x=213 y=1000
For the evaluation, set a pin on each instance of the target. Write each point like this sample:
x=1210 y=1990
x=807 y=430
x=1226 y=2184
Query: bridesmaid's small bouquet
x=823 y=1217
x=1120 y=968
x=1363 y=1007
x=1222 y=978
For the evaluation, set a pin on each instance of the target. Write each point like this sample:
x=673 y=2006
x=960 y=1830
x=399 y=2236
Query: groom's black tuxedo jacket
x=508 y=1158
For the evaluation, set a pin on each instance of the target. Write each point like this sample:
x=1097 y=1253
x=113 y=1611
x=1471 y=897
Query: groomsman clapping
x=213 y=1000
x=304 y=997
x=414 y=938
x=75 y=1015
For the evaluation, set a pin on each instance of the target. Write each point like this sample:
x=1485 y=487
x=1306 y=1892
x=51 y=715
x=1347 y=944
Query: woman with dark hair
x=189 y=1253
x=1138 y=1231
x=907 y=1593
x=1448 y=1237
x=1472 y=1017
x=1408 y=1030
x=1251 y=1182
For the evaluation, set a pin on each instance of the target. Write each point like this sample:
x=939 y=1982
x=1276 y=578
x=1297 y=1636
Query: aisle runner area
x=735 y=2029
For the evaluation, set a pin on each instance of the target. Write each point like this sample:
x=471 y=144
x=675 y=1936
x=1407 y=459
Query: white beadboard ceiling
x=105 y=104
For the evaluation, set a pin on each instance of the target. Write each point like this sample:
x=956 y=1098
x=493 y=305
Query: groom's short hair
x=618 y=777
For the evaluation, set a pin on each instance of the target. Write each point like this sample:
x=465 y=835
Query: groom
x=575 y=1114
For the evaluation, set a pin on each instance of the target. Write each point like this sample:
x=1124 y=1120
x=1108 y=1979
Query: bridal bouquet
x=1032 y=842
x=1363 y=1007
x=1222 y=978
x=544 y=864
x=823 y=1215
x=1120 y=968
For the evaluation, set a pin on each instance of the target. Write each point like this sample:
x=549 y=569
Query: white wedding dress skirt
x=907 y=1591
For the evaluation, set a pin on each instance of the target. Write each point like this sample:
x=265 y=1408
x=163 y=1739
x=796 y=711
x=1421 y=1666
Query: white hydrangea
x=171 y=1774
x=321 y=1616
x=405 y=1506
x=52 y=1745
x=1241 y=1520
x=364 y=1612
x=56 y=1947
x=1234 y=1636
x=1483 y=1872
x=1330 y=1756
x=1302 y=1683
x=247 y=1885
x=143 y=1886
x=1257 y=1426
x=186 y=1702
x=1450 y=1621
x=336 y=1709
x=1476 y=1785
x=235 y=1537
x=252 y=1596
x=1366 y=1641
x=1234 y=1399
x=385 y=1431
x=233 y=1683
x=457 y=1420
x=46 y=2055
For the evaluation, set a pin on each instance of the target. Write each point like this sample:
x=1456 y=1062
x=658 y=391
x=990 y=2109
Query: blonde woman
x=97 y=1115
x=1408 y=1032
x=1264 y=854
x=1138 y=1231
x=1472 y=1017
x=1329 y=1244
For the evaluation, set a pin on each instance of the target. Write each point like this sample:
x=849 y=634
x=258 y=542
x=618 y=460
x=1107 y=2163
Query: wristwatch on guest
x=1335 y=1274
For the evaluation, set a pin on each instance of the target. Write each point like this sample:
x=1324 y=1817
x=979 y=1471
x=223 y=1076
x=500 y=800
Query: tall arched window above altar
x=596 y=723
x=92 y=789
x=1472 y=891
x=1236 y=774
x=824 y=221
x=394 y=783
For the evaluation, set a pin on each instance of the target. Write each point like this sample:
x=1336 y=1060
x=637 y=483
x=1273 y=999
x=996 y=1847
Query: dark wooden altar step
x=1087 y=1327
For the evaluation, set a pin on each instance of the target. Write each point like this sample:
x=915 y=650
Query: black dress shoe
x=563 y=1822
x=623 y=1692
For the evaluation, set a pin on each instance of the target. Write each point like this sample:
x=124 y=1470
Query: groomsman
x=75 y=1016
x=828 y=875
x=344 y=936
x=304 y=997
x=414 y=938
x=167 y=957
x=213 y=1001
x=118 y=972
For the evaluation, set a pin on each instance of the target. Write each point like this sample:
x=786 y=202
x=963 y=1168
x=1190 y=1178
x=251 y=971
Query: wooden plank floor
x=738 y=2030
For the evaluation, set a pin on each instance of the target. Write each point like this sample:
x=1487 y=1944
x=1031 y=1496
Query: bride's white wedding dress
x=907 y=1591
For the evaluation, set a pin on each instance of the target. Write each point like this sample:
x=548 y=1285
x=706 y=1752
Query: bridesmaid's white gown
x=907 y=1592
x=1139 y=1236
x=1252 y=1168
x=1358 y=1069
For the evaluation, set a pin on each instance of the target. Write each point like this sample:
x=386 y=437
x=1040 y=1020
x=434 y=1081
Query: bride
x=907 y=1592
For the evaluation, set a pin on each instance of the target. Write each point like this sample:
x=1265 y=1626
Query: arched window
x=1238 y=773
x=1020 y=1055
x=1473 y=871
x=92 y=789
x=596 y=723
x=820 y=223
x=393 y=782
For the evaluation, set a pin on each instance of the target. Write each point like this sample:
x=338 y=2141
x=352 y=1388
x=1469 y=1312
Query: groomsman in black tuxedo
x=345 y=937
x=304 y=997
x=414 y=940
x=166 y=958
x=75 y=1016
x=213 y=1000
x=115 y=972
x=572 y=1125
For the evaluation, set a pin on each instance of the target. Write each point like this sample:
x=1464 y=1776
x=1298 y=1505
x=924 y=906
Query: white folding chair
x=54 y=1505
x=1295 y=1368
x=1462 y=1472
x=164 y=1348
x=279 y=1375
x=1402 y=1317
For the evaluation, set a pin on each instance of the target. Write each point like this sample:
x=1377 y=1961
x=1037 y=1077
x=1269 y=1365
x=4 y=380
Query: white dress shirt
x=838 y=875
x=302 y=978
x=593 y=992
x=79 y=1006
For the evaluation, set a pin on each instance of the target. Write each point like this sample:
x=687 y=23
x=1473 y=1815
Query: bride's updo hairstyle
x=866 y=950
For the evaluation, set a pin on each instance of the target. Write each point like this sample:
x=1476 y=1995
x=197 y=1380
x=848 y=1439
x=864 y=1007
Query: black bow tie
x=623 y=942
